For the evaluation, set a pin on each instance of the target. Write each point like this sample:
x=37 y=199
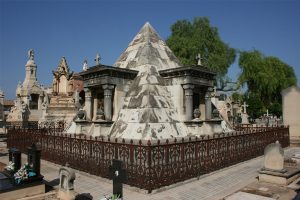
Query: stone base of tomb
x=31 y=187
x=204 y=127
x=60 y=109
x=296 y=158
x=279 y=178
x=66 y=194
x=93 y=128
x=101 y=128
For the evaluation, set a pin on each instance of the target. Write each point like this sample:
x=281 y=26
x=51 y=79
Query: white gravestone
x=274 y=157
x=66 y=183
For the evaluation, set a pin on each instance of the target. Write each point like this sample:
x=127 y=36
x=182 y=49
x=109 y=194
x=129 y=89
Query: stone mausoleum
x=64 y=101
x=148 y=94
x=30 y=96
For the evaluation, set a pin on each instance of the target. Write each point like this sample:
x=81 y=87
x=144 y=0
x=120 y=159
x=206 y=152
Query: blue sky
x=80 y=29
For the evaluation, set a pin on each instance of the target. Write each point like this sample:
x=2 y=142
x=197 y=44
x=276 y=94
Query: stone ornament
x=85 y=65
x=197 y=114
x=97 y=59
x=199 y=59
x=31 y=54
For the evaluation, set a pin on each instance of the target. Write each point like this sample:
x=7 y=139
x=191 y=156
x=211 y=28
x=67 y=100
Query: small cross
x=119 y=176
x=199 y=58
x=97 y=59
x=244 y=106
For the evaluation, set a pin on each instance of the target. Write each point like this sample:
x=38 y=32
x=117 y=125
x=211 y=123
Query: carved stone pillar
x=40 y=101
x=208 y=109
x=188 y=93
x=108 y=89
x=95 y=106
x=88 y=103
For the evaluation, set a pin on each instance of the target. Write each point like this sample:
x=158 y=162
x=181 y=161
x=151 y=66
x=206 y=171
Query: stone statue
x=31 y=54
x=85 y=65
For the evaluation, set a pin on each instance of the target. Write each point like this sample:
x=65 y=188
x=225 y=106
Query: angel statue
x=31 y=54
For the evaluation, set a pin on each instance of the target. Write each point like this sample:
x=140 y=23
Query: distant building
x=291 y=112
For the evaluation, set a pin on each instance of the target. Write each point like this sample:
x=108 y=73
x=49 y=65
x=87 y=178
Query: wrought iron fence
x=150 y=165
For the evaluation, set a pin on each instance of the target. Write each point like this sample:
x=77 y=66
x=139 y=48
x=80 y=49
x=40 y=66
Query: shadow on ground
x=51 y=184
x=84 y=196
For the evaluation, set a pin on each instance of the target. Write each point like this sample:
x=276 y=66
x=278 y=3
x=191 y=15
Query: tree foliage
x=265 y=77
x=188 y=39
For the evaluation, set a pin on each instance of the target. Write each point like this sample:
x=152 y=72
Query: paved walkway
x=214 y=186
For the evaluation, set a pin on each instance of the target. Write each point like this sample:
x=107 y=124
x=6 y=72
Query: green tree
x=265 y=77
x=188 y=39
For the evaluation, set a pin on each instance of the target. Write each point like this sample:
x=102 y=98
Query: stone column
x=95 y=106
x=88 y=103
x=40 y=101
x=188 y=93
x=208 y=104
x=108 y=101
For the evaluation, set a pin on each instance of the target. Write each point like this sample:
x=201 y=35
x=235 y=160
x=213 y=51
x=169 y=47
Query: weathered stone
x=62 y=106
x=274 y=157
x=66 y=183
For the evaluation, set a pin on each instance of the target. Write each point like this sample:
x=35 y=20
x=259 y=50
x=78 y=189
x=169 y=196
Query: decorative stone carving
x=85 y=65
x=62 y=81
x=81 y=115
x=215 y=114
x=97 y=59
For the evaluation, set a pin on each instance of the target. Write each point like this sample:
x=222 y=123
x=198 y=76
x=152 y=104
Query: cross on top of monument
x=119 y=176
x=199 y=58
x=97 y=59
x=244 y=106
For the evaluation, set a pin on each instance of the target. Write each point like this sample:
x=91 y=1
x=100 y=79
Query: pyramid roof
x=147 y=48
x=148 y=111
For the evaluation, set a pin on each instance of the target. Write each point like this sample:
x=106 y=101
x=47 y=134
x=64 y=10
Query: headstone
x=119 y=176
x=15 y=157
x=245 y=119
x=34 y=158
x=274 y=157
x=17 y=185
x=66 y=183
x=276 y=170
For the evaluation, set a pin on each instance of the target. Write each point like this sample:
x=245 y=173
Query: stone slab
x=247 y=196
x=277 y=179
x=23 y=192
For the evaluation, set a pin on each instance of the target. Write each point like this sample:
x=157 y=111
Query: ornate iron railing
x=150 y=164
